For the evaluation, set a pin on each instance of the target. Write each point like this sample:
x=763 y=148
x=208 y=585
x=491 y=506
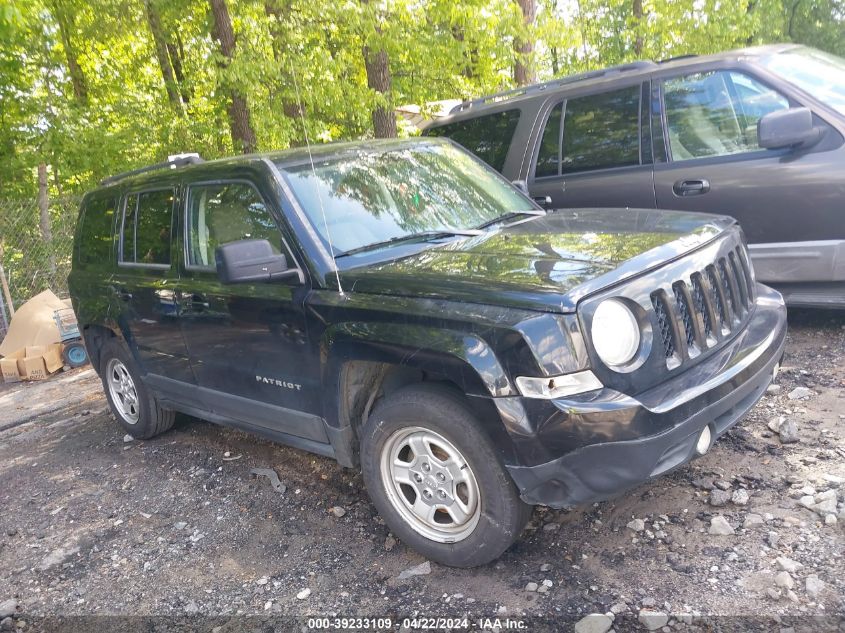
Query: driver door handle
x=686 y=188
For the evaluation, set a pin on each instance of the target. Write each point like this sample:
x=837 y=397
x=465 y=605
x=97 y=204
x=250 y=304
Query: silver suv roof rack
x=549 y=85
x=172 y=162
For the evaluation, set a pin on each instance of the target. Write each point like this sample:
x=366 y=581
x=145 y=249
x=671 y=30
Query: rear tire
x=132 y=403
x=437 y=480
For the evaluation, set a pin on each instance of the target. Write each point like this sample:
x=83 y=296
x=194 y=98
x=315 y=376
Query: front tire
x=133 y=405
x=437 y=480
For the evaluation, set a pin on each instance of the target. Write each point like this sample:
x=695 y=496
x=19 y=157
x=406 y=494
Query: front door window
x=716 y=113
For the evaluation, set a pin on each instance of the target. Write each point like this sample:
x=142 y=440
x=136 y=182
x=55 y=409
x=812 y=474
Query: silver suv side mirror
x=787 y=128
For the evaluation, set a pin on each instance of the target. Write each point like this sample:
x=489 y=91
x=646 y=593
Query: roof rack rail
x=177 y=160
x=554 y=83
x=677 y=57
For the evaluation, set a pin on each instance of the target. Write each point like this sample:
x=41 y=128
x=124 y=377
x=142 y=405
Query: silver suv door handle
x=685 y=188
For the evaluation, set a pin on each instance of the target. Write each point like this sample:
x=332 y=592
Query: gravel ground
x=93 y=524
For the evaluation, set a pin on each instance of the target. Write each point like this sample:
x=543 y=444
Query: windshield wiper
x=411 y=237
x=508 y=216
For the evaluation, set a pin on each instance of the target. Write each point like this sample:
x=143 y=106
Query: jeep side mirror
x=787 y=128
x=251 y=261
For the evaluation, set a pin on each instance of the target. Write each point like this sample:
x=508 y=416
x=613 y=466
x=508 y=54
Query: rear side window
x=488 y=137
x=95 y=230
x=223 y=213
x=147 y=226
x=602 y=131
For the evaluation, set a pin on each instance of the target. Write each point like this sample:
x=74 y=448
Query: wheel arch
x=366 y=362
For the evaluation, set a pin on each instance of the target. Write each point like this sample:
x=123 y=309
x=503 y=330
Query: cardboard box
x=34 y=362
x=9 y=366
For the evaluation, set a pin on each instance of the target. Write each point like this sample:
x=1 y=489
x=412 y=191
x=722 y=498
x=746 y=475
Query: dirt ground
x=92 y=524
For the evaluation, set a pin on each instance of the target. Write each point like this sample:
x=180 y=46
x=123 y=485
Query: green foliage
x=112 y=112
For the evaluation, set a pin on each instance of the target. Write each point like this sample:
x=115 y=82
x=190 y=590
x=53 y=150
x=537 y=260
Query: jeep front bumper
x=594 y=446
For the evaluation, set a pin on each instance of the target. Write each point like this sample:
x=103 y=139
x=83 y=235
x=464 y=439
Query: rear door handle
x=685 y=188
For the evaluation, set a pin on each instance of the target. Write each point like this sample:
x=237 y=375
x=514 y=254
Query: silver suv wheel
x=122 y=391
x=430 y=484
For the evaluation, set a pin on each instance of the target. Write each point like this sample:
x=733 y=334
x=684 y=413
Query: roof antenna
x=314 y=173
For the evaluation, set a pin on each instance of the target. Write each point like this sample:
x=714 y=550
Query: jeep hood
x=544 y=263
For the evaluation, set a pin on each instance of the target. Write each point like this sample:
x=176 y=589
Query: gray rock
x=721 y=484
x=808 y=502
x=128 y=438
x=389 y=543
x=7 y=624
x=594 y=623
x=8 y=608
x=545 y=567
x=773 y=389
x=302 y=595
x=774 y=594
x=551 y=527
x=180 y=525
x=719 y=526
x=652 y=620
x=531 y=586
x=718 y=498
x=740 y=497
x=828 y=506
x=800 y=393
x=830 y=519
x=58 y=556
x=423 y=569
x=619 y=607
x=192 y=608
x=648 y=602
x=788 y=432
x=753 y=520
x=787 y=564
x=774 y=424
x=637 y=525
x=784 y=580
x=813 y=586
x=338 y=512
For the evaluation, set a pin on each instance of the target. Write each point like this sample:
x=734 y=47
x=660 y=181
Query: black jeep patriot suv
x=400 y=306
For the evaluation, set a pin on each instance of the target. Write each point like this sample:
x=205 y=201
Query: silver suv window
x=820 y=74
x=716 y=113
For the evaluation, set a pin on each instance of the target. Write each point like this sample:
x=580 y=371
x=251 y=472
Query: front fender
x=465 y=359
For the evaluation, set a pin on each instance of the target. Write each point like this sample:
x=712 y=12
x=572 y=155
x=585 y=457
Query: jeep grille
x=707 y=307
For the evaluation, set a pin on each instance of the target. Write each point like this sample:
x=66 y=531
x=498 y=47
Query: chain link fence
x=36 y=248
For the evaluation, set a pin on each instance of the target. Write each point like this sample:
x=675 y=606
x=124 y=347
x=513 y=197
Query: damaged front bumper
x=594 y=446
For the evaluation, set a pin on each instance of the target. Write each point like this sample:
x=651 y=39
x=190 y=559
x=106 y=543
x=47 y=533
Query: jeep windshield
x=382 y=196
x=822 y=75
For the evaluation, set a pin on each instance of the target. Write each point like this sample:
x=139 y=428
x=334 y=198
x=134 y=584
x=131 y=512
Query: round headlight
x=615 y=332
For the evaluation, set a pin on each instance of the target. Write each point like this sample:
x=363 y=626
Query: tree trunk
x=638 y=27
x=378 y=79
x=177 y=54
x=44 y=215
x=278 y=13
x=243 y=136
x=163 y=55
x=77 y=75
x=523 y=45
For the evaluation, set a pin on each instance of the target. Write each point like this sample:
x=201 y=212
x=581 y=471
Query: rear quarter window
x=147 y=227
x=95 y=231
x=488 y=137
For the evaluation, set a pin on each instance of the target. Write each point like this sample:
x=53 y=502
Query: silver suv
x=755 y=133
